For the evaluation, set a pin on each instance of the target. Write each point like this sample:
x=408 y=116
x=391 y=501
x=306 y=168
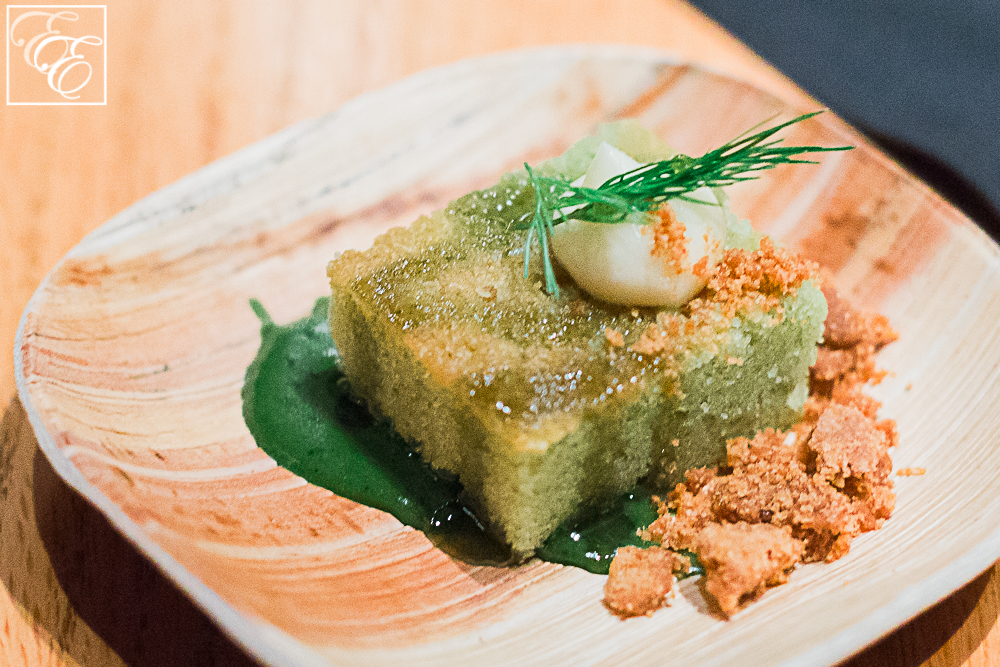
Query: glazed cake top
x=453 y=286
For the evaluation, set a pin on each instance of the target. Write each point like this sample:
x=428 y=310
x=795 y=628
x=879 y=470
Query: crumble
x=783 y=497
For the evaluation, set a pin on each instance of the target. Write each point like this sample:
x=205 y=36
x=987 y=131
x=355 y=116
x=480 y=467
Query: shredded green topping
x=646 y=188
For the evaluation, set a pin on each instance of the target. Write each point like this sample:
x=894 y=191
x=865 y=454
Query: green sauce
x=299 y=408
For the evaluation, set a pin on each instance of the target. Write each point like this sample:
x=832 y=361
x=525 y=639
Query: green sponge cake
x=544 y=393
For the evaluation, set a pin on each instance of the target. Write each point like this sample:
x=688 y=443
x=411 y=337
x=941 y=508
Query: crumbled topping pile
x=783 y=498
x=744 y=280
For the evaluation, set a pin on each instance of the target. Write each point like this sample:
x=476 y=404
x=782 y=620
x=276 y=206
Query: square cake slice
x=542 y=404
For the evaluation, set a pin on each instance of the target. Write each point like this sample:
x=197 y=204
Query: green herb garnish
x=645 y=188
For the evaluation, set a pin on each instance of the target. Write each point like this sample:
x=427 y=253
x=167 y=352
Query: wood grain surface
x=189 y=83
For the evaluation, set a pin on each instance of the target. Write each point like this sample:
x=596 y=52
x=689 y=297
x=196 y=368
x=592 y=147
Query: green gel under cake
x=300 y=409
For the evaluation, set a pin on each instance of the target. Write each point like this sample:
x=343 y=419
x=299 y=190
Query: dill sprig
x=646 y=188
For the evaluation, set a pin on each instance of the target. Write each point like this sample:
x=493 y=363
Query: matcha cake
x=541 y=394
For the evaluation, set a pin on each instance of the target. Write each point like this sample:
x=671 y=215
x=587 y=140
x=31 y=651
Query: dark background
x=925 y=73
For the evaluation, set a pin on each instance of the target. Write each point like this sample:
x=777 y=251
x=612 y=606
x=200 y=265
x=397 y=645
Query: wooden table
x=188 y=83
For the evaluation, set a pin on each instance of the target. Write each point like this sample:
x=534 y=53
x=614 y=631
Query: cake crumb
x=911 y=472
x=640 y=580
x=742 y=560
x=669 y=243
x=846 y=358
x=888 y=427
x=847 y=327
x=614 y=337
x=846 y=444
x=848 y=450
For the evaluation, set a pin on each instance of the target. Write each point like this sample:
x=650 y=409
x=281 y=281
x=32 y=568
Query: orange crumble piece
x=641 y=580
x=911 y=472
x=614 y=337
x=742 y=560
x=668 y=238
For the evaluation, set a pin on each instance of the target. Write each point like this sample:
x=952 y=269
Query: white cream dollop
x=616 y=262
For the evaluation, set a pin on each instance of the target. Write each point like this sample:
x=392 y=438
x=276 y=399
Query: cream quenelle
x=623 y=263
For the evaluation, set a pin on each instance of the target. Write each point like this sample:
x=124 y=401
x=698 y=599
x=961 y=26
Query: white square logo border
x=69 y=60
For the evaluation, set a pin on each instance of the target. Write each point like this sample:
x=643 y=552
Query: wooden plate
x=131 y=355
